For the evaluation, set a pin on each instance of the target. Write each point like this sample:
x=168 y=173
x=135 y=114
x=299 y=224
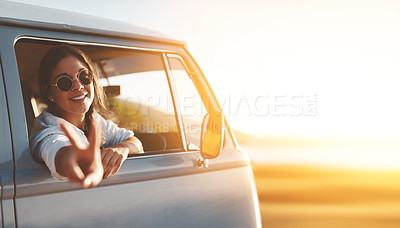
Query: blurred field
x=305 y=196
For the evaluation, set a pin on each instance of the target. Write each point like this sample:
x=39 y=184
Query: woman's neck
x=78 y=120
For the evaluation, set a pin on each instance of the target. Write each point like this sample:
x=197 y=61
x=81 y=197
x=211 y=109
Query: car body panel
x=183 y=201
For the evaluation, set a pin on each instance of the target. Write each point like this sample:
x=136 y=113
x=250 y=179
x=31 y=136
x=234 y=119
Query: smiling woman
x=70 y=86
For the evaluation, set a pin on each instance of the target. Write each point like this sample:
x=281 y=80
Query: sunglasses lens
x=64 y=83
x=85 y=77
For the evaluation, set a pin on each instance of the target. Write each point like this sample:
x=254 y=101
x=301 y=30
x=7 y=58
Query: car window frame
x=191 y=75
x=175 y=100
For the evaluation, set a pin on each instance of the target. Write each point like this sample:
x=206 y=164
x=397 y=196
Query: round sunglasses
x=65 y=83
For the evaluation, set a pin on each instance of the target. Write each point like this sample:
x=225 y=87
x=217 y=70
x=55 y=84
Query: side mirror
x=212 y=134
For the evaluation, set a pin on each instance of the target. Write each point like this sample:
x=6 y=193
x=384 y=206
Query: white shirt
x=48 y=138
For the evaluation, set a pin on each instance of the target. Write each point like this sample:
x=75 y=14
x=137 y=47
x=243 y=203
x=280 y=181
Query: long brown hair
x=51 y=59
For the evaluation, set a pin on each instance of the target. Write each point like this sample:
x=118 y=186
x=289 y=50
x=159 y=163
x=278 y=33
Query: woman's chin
x=81 y=109
x=81 y=106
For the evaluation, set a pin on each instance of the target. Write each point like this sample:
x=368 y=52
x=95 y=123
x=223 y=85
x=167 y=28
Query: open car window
x=135 y=81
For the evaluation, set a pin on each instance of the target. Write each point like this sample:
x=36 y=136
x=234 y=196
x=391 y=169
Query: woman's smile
x=79 y=98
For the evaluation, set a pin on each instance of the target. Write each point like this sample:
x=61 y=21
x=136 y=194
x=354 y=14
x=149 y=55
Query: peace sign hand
x=80 y=163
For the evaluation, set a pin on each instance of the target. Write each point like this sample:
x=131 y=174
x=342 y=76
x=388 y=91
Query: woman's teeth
x=78 y=98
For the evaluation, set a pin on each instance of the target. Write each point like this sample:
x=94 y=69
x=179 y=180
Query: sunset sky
x=284 y=68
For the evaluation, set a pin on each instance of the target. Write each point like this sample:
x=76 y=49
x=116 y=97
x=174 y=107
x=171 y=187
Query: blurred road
x=300 y=196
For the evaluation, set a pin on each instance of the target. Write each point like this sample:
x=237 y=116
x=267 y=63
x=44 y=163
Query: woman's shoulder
x=47 y=123
x=44 y=125
x=99 y=119
x=103 y=122
x=45 y=120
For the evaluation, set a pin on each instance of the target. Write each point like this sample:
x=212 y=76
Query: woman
x=74 y=141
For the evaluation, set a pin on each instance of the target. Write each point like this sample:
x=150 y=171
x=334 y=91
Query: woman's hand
x=113 y=157
x=79 y=162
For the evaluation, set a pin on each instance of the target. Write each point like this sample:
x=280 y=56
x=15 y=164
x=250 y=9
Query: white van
x=192 y=173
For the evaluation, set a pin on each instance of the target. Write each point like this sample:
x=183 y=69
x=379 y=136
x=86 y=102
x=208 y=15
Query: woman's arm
x=133 y=144
x=113 y=157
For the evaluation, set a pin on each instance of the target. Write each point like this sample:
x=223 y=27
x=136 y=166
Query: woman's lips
x=79 y=98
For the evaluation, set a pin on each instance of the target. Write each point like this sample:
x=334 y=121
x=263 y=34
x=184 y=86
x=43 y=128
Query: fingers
x=106 y=155
x=112 y=162
x=94 y=174
x=117 y=166
x=86 y=183
x=74 y=173
x=72 y=135
x=93 y=136
x=93 y=178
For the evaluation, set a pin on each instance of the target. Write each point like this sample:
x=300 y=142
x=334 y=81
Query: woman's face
x=78 y=99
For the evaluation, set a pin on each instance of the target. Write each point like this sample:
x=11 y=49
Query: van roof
x=25 y=15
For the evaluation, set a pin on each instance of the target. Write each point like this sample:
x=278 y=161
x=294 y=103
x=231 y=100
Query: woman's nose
x=76 y=85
